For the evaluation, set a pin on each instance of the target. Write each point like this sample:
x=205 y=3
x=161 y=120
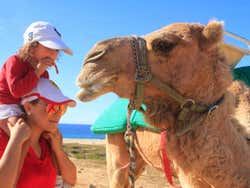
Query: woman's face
x=40 y=115
x=42 y=52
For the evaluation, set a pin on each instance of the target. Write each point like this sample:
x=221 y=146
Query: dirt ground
x=90 y=160
x=92 y=173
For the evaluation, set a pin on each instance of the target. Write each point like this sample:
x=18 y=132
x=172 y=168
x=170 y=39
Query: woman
x=37 y=131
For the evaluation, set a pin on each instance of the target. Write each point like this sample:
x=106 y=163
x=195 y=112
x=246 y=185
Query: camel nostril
x=94 y=56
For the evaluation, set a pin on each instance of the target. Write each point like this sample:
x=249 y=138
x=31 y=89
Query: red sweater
x=17 y=78
x=36 y=172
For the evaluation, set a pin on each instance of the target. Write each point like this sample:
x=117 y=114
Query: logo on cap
x=59 y=34
x=30 y=36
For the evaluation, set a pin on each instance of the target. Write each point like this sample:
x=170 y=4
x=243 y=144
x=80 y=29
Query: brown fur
x=242 y=111
x=186 y=56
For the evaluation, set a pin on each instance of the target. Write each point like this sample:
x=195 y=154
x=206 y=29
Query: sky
x=82 y=23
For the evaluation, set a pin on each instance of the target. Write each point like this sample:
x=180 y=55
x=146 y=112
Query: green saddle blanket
x=243 y=74
x=114 y=119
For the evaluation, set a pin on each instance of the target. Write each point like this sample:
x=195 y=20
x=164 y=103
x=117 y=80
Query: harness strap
x=129 y=140
x=176 y=96
x=142 y=75
x=142 y=72
x=137 y=100
x=191 y=124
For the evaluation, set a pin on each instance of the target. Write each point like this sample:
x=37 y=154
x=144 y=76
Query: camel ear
x=212 y=34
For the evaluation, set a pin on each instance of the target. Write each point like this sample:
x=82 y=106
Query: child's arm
x=66 y=167
x=21 y=79
x=12 y=155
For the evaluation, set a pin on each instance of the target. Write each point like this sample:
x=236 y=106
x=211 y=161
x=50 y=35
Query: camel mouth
x=85 y=95
x=90 y=90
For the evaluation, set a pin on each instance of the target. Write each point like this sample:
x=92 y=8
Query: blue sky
x=82 y=23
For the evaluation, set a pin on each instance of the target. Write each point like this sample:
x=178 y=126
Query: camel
x=188 y=59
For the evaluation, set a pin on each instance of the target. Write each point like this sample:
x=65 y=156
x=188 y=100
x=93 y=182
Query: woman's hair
x=34 y=102
x=26 y=52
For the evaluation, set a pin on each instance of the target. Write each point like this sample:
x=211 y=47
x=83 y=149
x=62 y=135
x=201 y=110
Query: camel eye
x=95 y=56
x=163 y=46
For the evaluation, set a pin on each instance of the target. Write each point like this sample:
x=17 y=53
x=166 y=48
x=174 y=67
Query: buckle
x=212 y=109
x=187 y=103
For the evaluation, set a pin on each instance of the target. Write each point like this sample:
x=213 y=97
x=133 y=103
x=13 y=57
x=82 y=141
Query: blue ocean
x=77 y=131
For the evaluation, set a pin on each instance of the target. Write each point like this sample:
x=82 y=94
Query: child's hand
x=20 y=131
x=43 y=65
x=55 y=139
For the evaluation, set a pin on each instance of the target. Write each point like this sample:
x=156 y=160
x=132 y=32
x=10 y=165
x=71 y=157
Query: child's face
x=42 y=52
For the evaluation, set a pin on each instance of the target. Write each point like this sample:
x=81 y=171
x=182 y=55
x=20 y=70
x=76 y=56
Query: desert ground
x=89 y=158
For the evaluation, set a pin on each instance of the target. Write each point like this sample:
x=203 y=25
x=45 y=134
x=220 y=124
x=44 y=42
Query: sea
x=78 y=131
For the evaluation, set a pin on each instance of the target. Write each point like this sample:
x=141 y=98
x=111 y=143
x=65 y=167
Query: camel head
x=107 y=67
x=185 y=56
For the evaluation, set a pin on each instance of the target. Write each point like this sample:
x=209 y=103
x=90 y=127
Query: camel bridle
x=144 y=75
x=188 y=107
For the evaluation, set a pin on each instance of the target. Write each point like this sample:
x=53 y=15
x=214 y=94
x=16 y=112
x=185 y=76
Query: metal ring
x=212 y=109
x=188 y=100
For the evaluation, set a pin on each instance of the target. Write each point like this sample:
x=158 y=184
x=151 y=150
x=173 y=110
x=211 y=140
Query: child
x=21 y=72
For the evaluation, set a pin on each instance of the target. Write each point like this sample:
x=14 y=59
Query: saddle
x=114 y=119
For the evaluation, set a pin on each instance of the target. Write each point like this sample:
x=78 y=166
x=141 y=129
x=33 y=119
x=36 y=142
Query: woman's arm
x=13 y=154
x=66 y=167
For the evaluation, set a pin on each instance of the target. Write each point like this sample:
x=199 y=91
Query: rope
x=129 y=139
x=237 y=37
x=142 y=75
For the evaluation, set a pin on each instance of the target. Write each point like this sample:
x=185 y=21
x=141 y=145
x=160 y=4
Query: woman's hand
x=13 y=156
x=66 y=168
x=55 y=139
x=20 y=131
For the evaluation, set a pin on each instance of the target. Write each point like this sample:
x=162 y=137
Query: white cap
x=47 y=35
x=48 y=91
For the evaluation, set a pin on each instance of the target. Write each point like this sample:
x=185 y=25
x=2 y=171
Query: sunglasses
x=55 y=108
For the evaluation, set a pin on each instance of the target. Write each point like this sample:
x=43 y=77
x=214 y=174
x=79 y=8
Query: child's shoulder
x=13 y=58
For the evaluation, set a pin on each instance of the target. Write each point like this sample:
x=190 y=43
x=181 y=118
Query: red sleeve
x=20 y=78
x=3 y=142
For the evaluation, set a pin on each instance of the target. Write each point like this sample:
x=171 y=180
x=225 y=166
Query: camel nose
x=80 y=80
